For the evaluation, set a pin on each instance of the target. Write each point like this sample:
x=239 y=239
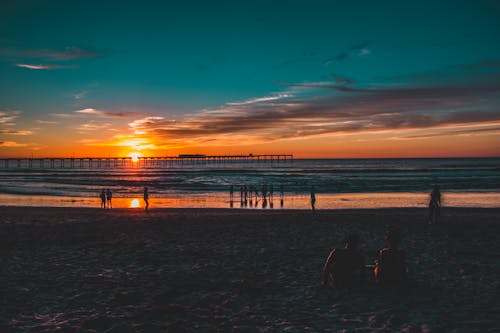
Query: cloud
x=80 y=95
x=265 y=99
x=93 y=126
x=338 y=110
x=69 y=53
x=43 y=67
x=342 y=81
x=10 y=144
x=363 y=52
x=47 y=122
x=46 y=59
x=7 y=118
x=106 y=114
x=15 y=132
x=355 y=50
x=469 y=131
x=87 y=112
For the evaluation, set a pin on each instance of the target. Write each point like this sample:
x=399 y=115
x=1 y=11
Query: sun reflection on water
x=134 y=203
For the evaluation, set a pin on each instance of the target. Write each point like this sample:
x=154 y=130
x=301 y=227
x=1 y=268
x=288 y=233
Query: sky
x=330 y=79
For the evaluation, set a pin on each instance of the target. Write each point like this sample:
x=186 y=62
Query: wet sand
x=218 y=270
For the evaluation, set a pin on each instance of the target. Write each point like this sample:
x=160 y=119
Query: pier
x=138 y=162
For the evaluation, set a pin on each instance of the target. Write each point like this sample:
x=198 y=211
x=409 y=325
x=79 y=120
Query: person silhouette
x=109 y=197
x=313 y=198
x=102 y=195
x=343 y=268
x=245 y=194
x=434 y=205
x=146 y=199
x=231 y=193
x=282 y=195
x=390 y=268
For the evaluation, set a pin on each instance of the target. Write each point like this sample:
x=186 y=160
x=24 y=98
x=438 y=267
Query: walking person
x=146 y=199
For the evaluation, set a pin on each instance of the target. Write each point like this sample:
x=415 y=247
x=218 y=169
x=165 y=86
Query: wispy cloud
x=355 y=50
x=344 y=111
x=80 y=95
x=7 y=118
x=93 y=126
x=47 y=122
x=67 y=54
x=479 y=129
x=11 y=144
x=43 y=67
x=15 y=132
x=44 y=58
x=91 y=112
x=107 y=114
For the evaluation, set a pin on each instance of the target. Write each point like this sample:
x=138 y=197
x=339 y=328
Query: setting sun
x=135 y=156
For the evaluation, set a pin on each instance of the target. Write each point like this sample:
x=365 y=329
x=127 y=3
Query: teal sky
x=138 y=61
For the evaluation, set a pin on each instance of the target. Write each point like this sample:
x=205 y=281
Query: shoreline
x=290 y=201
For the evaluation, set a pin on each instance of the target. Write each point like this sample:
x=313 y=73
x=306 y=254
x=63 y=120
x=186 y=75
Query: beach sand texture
x=222 y=270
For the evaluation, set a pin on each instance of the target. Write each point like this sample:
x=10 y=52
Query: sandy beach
x=233 y=270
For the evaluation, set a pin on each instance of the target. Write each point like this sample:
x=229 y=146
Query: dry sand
x=221 y=270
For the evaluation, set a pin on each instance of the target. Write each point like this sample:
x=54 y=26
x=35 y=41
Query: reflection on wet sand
x=293 y=201
x=134 y=203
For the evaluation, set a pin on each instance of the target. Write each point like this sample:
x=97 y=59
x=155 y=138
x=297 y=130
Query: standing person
x=103 y=198
x=264 y=192
x=231 y=193
x=434 y=205
x=241 y=194
x=271 y=192
x=282 y=195
x=245 y=193
x=146 y=199
x=256 y=192
x=313 y=198
x=109 y=196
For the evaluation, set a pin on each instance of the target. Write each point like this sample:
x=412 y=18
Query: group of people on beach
x=106 y=198
x=249 y=193
x=345 y=269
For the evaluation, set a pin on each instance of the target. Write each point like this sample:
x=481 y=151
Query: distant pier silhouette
x=139 y=162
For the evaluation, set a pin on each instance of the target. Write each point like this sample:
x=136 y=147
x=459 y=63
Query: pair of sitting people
x=344 y=267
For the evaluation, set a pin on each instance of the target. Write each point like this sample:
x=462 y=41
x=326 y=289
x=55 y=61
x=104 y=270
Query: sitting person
x=390 y=269
x=344 y=267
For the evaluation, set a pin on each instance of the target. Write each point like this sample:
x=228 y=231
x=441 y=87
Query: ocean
x=339 y=183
